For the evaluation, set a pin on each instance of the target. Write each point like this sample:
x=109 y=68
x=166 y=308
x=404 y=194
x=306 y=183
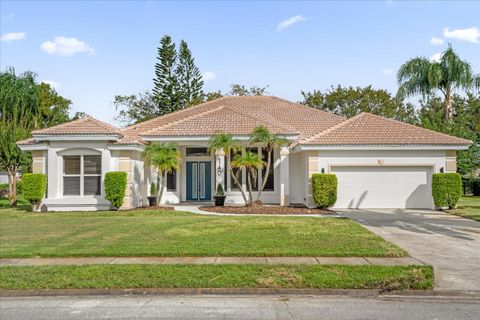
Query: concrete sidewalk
x=210 y=260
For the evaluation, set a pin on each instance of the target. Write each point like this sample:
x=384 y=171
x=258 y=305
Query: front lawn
x=169 y=233
x=384 y=278
x=468 y=207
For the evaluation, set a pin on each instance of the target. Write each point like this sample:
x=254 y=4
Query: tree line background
x=448 y=89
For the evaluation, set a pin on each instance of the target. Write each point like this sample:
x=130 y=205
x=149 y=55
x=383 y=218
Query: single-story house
x=379 y=162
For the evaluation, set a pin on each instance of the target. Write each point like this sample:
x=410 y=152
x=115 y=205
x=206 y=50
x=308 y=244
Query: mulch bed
x=256 y=209
x=162 y=208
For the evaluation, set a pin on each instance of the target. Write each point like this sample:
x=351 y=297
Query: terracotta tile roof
x=369 y=129
x=238 y=115
x=219 y=119
x=26 y=142
x=84 y=126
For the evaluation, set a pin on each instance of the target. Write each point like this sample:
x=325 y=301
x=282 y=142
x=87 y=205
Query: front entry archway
x=199 y=181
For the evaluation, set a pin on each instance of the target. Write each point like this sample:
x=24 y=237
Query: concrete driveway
x=449 y=243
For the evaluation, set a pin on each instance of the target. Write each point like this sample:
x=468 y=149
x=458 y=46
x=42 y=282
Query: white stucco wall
x=55 y=201
x=318 y=160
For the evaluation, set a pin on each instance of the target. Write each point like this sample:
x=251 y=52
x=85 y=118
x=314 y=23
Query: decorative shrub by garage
x=34 y=186
x=115 y=186
x=324 y=188
x=446 y=189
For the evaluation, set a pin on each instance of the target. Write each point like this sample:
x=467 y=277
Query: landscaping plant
x=34 y=187
x=165 y=157
x=446 y=189
x=225 y=142
x=262 y=136
x=251 y=162
x=324 y=188
x=115 y=186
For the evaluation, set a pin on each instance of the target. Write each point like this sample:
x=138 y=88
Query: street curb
x=466 y=296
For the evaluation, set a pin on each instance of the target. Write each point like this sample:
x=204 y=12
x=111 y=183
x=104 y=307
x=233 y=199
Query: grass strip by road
x=468 y=207
x=173 y=233
x=385 y=278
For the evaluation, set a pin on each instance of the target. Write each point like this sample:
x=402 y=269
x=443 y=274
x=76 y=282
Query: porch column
x=284 y=177
x=220 y=169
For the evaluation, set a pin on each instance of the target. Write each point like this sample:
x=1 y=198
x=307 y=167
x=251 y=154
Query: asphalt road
x=234 y=307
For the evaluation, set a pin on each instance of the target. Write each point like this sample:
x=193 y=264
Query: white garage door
x=384 y=187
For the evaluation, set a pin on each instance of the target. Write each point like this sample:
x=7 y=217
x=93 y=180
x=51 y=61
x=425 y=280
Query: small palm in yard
x=165 y=157
x=262 y=136
x=225 y=142
x=251 y=162
x=422 y=76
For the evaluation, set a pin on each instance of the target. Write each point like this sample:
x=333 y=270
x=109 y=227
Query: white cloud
x=437 y=41
x=388 y=71
x=469 y=34
x=436 y=57
x=12 y=36
x=55 y=85
x=290 y=22
x=209 y=76
x=64 y=46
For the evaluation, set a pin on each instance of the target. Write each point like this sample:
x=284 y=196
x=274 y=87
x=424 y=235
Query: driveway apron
x=449 y=243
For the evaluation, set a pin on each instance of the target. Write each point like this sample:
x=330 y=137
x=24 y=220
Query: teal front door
x=199 y=181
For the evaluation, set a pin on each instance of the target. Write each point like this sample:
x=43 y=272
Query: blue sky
x=92 y=51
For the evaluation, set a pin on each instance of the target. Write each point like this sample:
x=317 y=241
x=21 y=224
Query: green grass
x=217 y=276
x=468 y=207
x=164 y=233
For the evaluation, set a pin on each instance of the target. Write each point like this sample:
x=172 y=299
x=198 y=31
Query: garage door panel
x=383 y=187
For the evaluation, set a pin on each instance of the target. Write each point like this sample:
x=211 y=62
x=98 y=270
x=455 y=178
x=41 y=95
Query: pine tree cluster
x=178 y=82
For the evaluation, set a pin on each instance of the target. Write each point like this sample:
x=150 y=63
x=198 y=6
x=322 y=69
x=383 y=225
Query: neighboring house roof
x=240 y=115
x=369 y=129
x=83 y=126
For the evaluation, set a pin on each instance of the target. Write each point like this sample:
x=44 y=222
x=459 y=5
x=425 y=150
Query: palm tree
x=251 y=162
x=225 y=142
x=422 y=76
x=261 y=135
x=165 y=157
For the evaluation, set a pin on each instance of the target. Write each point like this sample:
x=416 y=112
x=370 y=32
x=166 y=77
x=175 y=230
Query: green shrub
x=34 y=187
x=446 y=189
x=475 y=185
x=19 y=187
x=153 y=189
x=220 y=191
x=3 y=190
x=115 y=186
x=324 y=188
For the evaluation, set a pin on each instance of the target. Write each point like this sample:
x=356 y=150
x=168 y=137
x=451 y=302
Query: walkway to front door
x=199 y=181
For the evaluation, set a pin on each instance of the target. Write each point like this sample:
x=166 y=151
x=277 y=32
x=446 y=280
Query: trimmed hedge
x=115 y=186
x=324 y=188
x=446 y=189
x=34 y=187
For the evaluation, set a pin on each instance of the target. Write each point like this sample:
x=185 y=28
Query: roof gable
x=369 y=129
x=83 y=126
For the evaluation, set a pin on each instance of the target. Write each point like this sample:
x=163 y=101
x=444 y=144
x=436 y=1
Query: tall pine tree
x=189 y=77
x=166 y=86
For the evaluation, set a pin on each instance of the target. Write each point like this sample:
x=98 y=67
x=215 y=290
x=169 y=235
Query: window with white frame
x=82 y=175
x=262 y=152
